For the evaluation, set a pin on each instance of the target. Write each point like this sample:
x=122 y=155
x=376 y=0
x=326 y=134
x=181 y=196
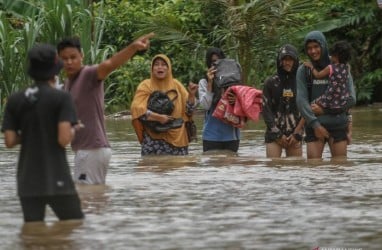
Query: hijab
x=176 y=137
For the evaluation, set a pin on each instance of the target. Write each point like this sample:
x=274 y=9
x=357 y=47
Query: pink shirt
x=88 y=95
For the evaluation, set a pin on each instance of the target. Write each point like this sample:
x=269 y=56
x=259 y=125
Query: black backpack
x=228 y=73
x=159 y=102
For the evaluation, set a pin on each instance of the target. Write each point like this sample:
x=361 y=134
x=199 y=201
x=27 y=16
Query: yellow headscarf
x=176 y=137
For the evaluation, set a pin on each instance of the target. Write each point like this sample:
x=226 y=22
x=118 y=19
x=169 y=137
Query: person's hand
x=231 y=98
x=308 y=64
x=349 y=137
x=349 y=133
x=317 y=109
x=163 y=119
x=143 y=42
x=291 y=140
x=192 y=88
x=321 y=133
x=211 y=73
x=78 y=126
x=283 y=141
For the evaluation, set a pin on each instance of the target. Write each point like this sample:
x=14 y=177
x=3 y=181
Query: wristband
x=298 y=137
x=350 y=118
x=148 y=113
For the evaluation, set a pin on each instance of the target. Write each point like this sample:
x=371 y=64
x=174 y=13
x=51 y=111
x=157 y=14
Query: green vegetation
x=247 y=30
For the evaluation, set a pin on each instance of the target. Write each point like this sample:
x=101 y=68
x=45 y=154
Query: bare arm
x=109 y=65
x=321 y=74
x=192 y=89
x=65 y=133
x=152 y=116
x=11 y=138
x=318 y=74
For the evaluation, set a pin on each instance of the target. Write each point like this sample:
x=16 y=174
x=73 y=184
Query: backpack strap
x=172 y=91
x=309 y=80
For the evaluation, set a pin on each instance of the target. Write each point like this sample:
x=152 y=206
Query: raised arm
x=109 y=65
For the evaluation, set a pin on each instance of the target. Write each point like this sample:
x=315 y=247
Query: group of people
x=313 y=98
x=297 y=101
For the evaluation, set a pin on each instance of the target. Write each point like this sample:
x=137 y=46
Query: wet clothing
x=336 y=134
x=43 y=170
x=215 y=131
x=221 y=145
x=160 y=147
x=336 y=94
x=280 y=112
x=88 y=95
x=310 y=88
x=65 y=207
x=176 y=137
x=86 y=159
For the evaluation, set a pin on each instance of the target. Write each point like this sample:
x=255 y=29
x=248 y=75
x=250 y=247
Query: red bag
x=224 y=112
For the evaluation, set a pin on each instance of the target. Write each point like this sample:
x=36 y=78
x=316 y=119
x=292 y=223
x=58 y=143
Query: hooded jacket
x=310 y=88
x=279 y=96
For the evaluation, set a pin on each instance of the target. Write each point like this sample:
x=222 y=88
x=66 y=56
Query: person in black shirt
x=42 y=119
x=282 y=118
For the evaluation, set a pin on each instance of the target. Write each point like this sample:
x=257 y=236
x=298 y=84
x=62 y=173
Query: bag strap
x=309 y=80
x=174 y=91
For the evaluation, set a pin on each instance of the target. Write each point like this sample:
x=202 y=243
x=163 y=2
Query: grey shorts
x=90 y=166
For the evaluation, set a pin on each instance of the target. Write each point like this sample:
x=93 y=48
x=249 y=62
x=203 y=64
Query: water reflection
x=94 y=198
x=217 y=200
x=55 y=235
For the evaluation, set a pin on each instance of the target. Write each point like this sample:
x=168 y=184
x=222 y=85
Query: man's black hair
x=342 y=50
x=70 y=42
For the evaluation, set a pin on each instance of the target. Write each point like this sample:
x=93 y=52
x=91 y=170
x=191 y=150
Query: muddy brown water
x=217 y=200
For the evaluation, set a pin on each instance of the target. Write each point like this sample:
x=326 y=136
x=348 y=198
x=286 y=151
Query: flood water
x=216 y=201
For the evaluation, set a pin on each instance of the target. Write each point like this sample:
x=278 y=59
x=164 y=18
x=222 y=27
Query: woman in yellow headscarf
x=173 y=141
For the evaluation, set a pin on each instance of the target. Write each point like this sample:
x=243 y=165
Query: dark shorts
x=338 y=134
x=270 y=137
x=66 y=207
x=221 y=145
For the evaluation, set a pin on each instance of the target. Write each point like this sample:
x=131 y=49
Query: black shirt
x=35 y=114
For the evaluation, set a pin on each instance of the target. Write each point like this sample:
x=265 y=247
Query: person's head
x=212 y=55
x=43 y=63
x=160 y=67
x=69 y=50
x=340 y=52
x=316 y=49
x=287 y=59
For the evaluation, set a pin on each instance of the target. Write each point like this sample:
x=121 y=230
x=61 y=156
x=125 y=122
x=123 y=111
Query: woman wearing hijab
x=217 y=135
x=284 y=126
x=174 y=141
x=322 y=125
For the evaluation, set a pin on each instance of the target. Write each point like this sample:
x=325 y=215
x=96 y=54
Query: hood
x=213 y=51
x=318 y=36
x=287 y=50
